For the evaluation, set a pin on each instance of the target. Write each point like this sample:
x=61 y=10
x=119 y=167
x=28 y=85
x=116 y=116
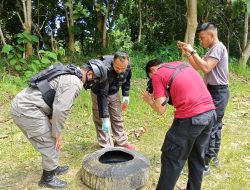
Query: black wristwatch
x=193 y=52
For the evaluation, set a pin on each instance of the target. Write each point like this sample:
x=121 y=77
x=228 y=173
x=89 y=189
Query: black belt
x=215 y=87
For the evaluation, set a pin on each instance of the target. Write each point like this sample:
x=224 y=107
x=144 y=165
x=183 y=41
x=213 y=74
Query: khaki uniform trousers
x=42 y=142
x=117 y=126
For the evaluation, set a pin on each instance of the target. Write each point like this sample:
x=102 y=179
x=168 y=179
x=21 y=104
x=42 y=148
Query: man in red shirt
x=194 y=117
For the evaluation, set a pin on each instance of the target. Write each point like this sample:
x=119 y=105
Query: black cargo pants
x=220 y=95
x=185 y=140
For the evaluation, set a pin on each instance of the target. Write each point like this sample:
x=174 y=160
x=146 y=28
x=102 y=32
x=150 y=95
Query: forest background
x=37 y=33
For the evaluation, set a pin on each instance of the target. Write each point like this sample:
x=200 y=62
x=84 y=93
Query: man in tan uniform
x=42 y=124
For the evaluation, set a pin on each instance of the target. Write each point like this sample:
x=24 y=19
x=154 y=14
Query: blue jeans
x=220 y=95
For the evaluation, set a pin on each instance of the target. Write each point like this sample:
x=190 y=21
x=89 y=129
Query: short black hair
x=121 y=55
x=205 y=26
x=152 y=63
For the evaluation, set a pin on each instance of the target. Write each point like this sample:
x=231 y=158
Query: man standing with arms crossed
x=215 y=67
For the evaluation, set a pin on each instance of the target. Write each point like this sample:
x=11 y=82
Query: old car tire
x=115 y=168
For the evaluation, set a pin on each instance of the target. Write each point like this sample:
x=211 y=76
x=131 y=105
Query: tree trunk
x=99 y=24
x=191 y=21
x=71 y=27
x=52 y=40
x=245 y=30
x=27 y=9
x=99 y=17
x=140 y=22
x=104 y=33
x=70 y=24
x=2 y=36
x=245 y=55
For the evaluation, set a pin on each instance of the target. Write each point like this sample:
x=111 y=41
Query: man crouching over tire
x=178 y=84
x=40 y=111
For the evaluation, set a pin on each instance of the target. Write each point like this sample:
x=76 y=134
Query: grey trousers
x=42 y=142
x=117 y=126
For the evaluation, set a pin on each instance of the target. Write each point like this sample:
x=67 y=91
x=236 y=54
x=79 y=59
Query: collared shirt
x=29 y=102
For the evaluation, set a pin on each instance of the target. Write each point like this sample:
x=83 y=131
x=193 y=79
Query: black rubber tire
x=128 y=175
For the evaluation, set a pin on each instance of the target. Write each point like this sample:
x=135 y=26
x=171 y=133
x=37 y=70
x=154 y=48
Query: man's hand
x=105 y=125
x=58 y=142
x=185 y=47
x=181 y=44
x=156 y=104
x=147 y=97
x=125 y=102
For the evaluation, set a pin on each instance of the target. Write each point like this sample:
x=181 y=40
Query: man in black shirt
x=106 y=104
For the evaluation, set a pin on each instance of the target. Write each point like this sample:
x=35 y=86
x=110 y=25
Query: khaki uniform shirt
x=29 y=102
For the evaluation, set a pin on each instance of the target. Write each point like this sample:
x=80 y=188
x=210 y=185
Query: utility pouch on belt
x=204 y=118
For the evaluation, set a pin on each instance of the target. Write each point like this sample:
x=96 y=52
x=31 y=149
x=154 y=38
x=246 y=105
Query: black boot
x=49 y=180
x=61 y=170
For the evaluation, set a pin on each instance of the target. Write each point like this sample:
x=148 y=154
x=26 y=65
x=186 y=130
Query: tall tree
x=245 y=29
x=68 y=8
x=1 y=32
x=246 y=40
x=140 y=21
x=104 y=32
x=245 y=55
x=27 y=23
x=99 y=22
x=2 y=37
x=191 y=21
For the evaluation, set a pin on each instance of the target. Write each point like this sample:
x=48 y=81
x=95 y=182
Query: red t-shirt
x=188 y=91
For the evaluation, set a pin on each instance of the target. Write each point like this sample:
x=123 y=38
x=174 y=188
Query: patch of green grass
x=236 y=68
x=20 y=164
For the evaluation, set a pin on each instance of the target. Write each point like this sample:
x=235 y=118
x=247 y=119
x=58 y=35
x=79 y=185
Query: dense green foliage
x=162 y=22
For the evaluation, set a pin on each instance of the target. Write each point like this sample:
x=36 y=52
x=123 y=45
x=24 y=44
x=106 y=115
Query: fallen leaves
x=137 y=133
